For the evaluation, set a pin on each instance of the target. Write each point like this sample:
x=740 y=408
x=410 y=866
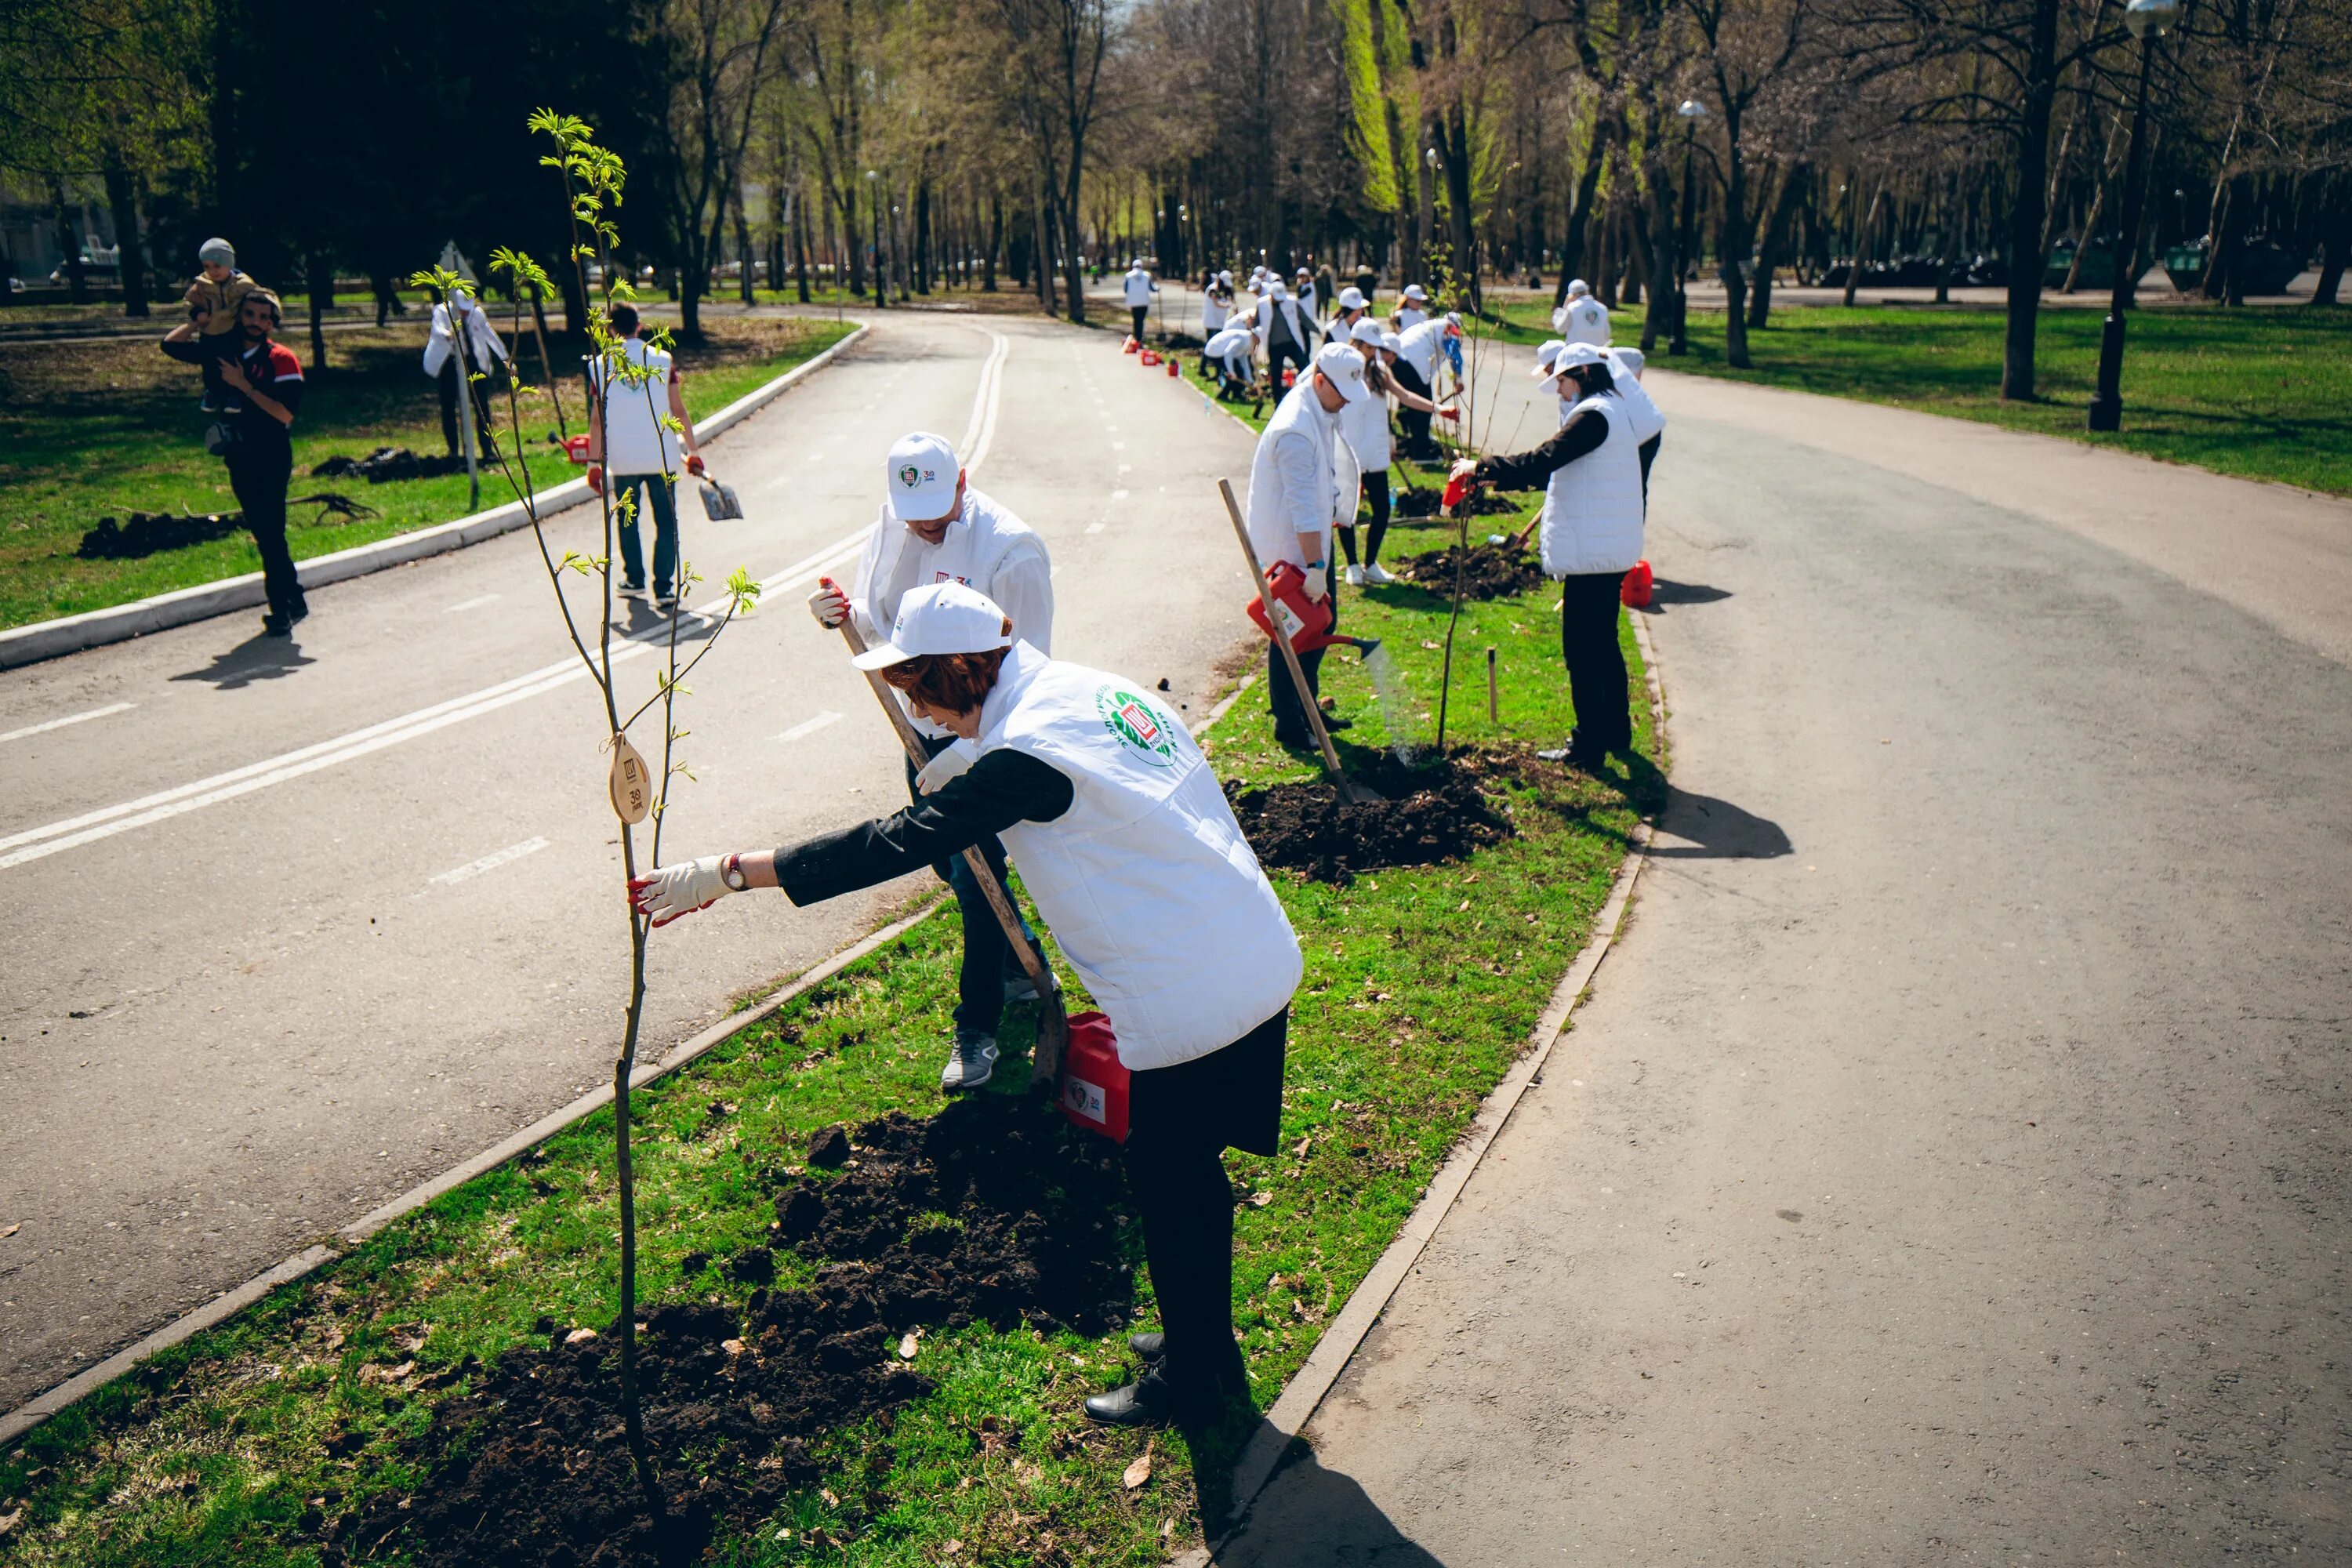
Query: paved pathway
x=370 y=925
x=1951 y=1164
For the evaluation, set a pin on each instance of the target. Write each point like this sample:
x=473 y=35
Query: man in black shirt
x=260 y=445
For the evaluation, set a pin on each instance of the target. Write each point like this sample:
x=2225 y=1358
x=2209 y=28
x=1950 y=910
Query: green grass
x=100 y=430
x=2259 y=394
x=1421 y=988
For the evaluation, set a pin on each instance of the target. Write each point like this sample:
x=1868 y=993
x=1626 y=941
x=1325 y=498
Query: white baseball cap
x=1225 y=277
x=1343 y=367
x=919 y=476
x=1573 y=354
x=1392 y=343
x=1413 y=292
x=1578 y=287
x=1274 y=290
x=1366 y=330
x=946 y=617
x=1453 y=321
x=1546 y=352
x=1351 y=298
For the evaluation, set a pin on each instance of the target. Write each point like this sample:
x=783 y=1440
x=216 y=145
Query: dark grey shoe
x=972 y=1063
x=1146 y=1402
x=1151 y=1346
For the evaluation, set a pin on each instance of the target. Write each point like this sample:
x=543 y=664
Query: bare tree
x=718 y=52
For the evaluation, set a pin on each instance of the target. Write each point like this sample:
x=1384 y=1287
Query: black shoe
x=274 y=624
x=300 y=612
x=1577 y=752
x=1146 y=1402
x=1332 y=724
x=1151 y=1346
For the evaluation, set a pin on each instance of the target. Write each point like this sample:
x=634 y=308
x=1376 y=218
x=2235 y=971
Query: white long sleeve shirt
x=1303 y=481
x=482 y=339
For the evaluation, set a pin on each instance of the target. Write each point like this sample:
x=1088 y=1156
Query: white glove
x=1319 y=582
x=956 y=759
x=830 y=606
x=675 y=891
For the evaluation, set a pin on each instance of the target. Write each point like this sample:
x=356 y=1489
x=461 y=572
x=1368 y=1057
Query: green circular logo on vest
x=1131 y=720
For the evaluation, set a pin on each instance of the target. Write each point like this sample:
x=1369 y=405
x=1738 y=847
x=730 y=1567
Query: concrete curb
x=228 y=1304
x=118 y=623
x=1279 y=1431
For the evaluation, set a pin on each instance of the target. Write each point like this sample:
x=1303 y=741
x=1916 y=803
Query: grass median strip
x=289 y=1435
x=107 y=429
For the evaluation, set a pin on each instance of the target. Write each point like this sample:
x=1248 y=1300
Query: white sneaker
x=1376 y=574
x=1354 y=576
x=633 y=590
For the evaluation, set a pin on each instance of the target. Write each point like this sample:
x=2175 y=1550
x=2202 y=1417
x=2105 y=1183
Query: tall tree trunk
x=1795 y=187
x=995 y=242
x=743 y=252
x=2026 y=256
x=799 y=201
x=1579 y=212
x=122 y=199
x=319 y=277
x=1736 y=244
x=68 y=241
x=1863 y=229
x=2335 y=238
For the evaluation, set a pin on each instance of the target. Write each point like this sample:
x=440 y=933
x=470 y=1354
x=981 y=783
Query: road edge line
x=1279 y=1428
x=229 y=1302
x=21 y=646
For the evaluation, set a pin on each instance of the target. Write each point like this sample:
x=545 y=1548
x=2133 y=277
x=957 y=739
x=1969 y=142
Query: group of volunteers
x=1099 y=793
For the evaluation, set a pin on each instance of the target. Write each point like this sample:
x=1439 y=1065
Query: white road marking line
x=1119 y=495
x=1118 y=447
x=36 y=843
x=69 y=719
x=470 y=603
x=1094 y=528
x=808 y=727
x=490 y=862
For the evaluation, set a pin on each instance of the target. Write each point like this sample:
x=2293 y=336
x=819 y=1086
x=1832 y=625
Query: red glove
x=1454 y=414
x=694 y=464
x=597 y=477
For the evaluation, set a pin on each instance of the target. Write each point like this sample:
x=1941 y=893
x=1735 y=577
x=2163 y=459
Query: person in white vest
x=1591 y=535
x=1303 y=285
x=1412 y=309
x=1648 y=420
x=630 y=439
x=1125 y=841
x=1216 y=303
x=1233 y=351
x=1419 y=350
x=1352 y=309
x=1365 y=427
x=935 y=528
x=1139 y=286
x=449 y=363
x=1581 y=318
x=1286 y=332
x=1303 y=484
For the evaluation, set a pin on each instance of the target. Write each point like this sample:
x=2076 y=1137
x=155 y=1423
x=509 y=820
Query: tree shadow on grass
x=258 y=658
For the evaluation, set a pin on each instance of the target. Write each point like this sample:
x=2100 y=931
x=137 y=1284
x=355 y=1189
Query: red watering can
x=1151 y=358
x=1094 y=1081
x=1635 y=590
x=1306 y=622
x=1174 y=366
x=576 y=448
x=1129 y=346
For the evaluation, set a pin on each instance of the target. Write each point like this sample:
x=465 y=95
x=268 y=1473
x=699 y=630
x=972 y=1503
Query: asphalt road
x=291 y=928
x=1950 y=1164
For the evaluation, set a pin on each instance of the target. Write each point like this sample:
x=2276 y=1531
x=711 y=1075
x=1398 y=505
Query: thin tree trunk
x=122 y=199
x=2026 y=256
x=320 y=277
x=69 y=242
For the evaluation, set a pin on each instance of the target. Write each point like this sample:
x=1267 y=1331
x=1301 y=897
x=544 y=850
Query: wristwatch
x=730 y=871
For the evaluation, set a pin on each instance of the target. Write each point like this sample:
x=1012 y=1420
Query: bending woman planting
x=1125 y=841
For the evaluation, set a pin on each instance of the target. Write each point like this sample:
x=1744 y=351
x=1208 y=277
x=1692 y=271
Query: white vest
x=1364 y=425
x=1592 y=507
x=1146 y=882
x=1214 y=308
x=1273 y=513
x=977 y=543
x=1642 y=413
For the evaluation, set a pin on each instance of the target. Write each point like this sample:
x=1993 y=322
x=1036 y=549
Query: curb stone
x=183 y=606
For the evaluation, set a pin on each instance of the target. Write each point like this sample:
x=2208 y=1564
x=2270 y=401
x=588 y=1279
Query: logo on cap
x=909 y=475
x=1137 y=726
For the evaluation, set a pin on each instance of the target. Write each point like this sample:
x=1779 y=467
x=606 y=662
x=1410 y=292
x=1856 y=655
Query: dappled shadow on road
x=261 y=658
x=1664 y=592
x=1309 y=1517
x=1712 y=829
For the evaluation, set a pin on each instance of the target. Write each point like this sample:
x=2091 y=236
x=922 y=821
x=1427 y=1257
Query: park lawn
x=2259 y=393
x=1421 y=986
x=95 y=430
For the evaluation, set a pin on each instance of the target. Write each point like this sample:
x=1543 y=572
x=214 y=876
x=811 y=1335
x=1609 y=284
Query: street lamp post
x=2149 y=20
x=1691 y=112
x=873 y=203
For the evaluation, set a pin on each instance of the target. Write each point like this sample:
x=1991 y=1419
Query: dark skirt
x=1231 y=1097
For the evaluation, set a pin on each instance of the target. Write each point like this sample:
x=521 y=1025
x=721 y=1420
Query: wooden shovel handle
x=1282 y=641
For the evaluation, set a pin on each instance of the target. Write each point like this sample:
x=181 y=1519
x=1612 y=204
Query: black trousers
x=988 y=960
x=1281 y=351
x=1142 y=314
x=1282 y=692
x=260 y=479
x=1596 y=665
x=1417 y=442
x=1181 y=1120
x=450 y=432
x=1649 y=454
x=1376 y=496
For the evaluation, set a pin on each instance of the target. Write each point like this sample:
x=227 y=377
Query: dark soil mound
x=1180 y=340
x=531 y=1469
x=1432 y=814
x=1424 y=502
x=386 y=464
x=1490 y=573
x=145 y=533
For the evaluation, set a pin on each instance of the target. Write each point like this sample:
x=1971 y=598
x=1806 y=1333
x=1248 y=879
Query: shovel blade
x=1052 y=1040
x=719 y=502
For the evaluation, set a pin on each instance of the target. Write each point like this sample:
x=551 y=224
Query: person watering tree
x=461 y=345
x=934 y=528
x=1591 y=535
x=1303 y=484
x=636 y=441
x=1125 y=841
x=254 y=437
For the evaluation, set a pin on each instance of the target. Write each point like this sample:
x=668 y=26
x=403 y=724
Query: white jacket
x=1592 y=507
x=1139 y=286
x=1584 y=320
x=1146 y=882
x=986 y=547
x=1303 y=480
x=482 y=338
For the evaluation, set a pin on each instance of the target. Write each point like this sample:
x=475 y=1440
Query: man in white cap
x=1581 y=318
x=1139 y=286
x=1286 y=332
x=1124 y=840
x=1303 y=484
x=1412 y=309
x=935 y=528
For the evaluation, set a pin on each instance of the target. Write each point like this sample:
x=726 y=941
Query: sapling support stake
x=1453 y=620
x=1494 y=698
x=1053 y=1019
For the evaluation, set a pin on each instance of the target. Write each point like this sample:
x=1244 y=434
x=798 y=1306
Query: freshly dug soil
x=531 y=1467
x=1424 y=502
x=387 y=464
x=1432 y=814
x=1492 y=572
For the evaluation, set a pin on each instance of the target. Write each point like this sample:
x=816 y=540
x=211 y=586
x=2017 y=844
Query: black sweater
x=1002 y=788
